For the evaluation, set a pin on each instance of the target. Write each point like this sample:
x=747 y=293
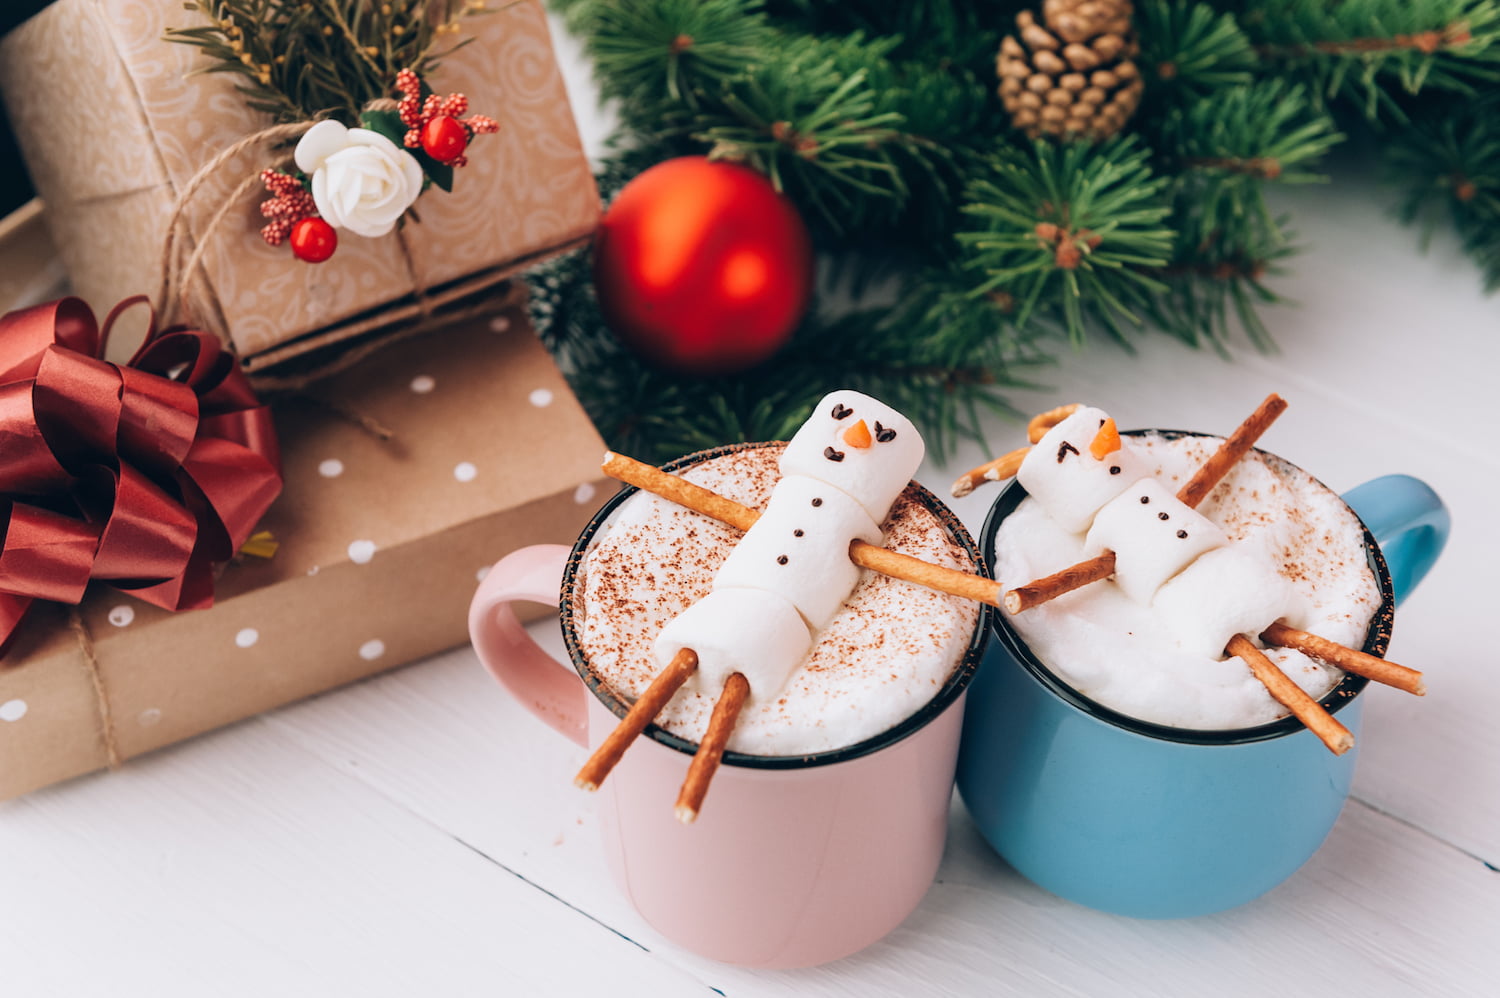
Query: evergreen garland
x=963 y=254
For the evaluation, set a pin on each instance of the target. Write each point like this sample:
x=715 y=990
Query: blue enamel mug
x=1157 y=822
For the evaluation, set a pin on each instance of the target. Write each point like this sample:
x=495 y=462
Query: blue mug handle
x=1410 y=523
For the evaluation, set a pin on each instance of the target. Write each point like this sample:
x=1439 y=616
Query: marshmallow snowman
x=1066 y=478
x=790 y=573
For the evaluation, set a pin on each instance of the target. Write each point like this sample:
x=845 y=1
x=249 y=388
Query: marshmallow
x=758 y=634
x=860 y=446
x=1232 y=590
x=1153 y=534
x=1063 y=476
x=799 y=548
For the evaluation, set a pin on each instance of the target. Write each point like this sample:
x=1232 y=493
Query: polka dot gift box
x=377 y=547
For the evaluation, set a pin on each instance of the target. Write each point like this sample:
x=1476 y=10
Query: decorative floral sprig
x=365 y=179
x=436 y=124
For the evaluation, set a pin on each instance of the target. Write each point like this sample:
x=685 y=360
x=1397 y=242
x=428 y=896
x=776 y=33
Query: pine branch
x=1449 y=164
x=1076 y=228
x=1368 y=52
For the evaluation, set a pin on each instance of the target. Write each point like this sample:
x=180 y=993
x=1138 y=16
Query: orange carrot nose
x=1106 y=441
x=858 y=435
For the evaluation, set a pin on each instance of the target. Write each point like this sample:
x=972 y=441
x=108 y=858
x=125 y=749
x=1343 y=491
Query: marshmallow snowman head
x=1071 y=477
x=860 y=446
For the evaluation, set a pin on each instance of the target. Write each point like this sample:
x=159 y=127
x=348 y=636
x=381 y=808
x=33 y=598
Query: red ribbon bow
x=143 y=476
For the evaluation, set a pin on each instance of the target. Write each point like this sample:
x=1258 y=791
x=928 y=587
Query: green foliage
x=975 y=253
x=1075 y=229
x=300 y=59
x=1449 y=165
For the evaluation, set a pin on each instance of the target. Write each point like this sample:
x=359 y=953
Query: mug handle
x=1410 y=523
x=549 y=689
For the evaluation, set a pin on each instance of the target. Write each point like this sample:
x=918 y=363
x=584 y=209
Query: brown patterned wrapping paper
x=113 y=128
x=380 y=544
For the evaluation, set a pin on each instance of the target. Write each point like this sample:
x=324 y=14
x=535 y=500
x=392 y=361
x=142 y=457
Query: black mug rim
x=957 y=682
x=1377 y=636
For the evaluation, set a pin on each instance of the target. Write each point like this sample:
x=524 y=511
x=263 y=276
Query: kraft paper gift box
x=114 y=127
x=380 y=543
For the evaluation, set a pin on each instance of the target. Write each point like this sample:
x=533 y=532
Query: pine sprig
x=1449 y=165
x=299 y=59
x=1074 y=229
x=1371 y=52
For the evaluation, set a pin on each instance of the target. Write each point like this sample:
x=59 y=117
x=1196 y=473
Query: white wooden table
x=418 y=834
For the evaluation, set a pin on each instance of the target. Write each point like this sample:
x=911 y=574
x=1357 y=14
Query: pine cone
x=1074 y=77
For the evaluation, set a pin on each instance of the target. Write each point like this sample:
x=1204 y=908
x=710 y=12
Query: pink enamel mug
x=794 y=860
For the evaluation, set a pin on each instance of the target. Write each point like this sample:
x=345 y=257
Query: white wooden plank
x=240 y=865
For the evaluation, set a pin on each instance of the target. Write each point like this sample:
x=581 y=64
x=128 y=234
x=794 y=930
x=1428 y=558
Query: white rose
x=361 y=180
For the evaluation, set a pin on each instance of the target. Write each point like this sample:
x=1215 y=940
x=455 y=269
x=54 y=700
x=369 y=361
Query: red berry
x=314 y=240
x=444 y=139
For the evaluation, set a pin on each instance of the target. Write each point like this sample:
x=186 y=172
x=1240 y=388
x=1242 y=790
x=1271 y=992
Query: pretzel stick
x=641 y=713
x=1346 y=658
x=1000 y=468
x=1291 y=696
x=1234 y=447
x=1071 y=578
x=862 y=553
x=678 y=490
x=1044 y=421
x=711 y=749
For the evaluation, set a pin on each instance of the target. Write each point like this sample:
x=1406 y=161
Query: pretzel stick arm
x=1044 y=421
x=1348 y=659
x=1071 y=578
x=924 y=573
x=679 y=490
x=1234 y=447
x=1292 y=697
x=711 y=750
x=641 y=713
x=1001 y=468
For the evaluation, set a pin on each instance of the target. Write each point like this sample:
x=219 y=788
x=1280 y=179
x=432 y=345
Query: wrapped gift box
x=379 y=540
x=114 y=127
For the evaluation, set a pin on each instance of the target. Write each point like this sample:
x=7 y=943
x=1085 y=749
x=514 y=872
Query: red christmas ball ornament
x=444 y=138
x=702 y=267
x=314 y=240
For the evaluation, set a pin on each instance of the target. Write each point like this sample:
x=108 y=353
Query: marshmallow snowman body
x=1224 y=592
x=799 y=548
x=791 y=572
x=750 y=631
x=1065 y=478
x=1153 y=534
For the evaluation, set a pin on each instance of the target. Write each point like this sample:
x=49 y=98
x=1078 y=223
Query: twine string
x=96 y=679
x=170 y=276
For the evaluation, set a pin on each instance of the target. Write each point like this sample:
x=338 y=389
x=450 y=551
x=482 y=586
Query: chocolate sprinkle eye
x=1114 y=469
x=797 y=533
x=1162 y=516
x=833 y=455
x=1062 y=451
x=1182 y=534
x=1145 y=500
x=817 y=502
x=883 y=433
x=781 y=560
x=841 y=411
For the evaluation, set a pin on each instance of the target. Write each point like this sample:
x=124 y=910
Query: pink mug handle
x=550 y=690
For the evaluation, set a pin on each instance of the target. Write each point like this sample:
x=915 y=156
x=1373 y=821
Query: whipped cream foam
x=886 y=652
x=1120 y=653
